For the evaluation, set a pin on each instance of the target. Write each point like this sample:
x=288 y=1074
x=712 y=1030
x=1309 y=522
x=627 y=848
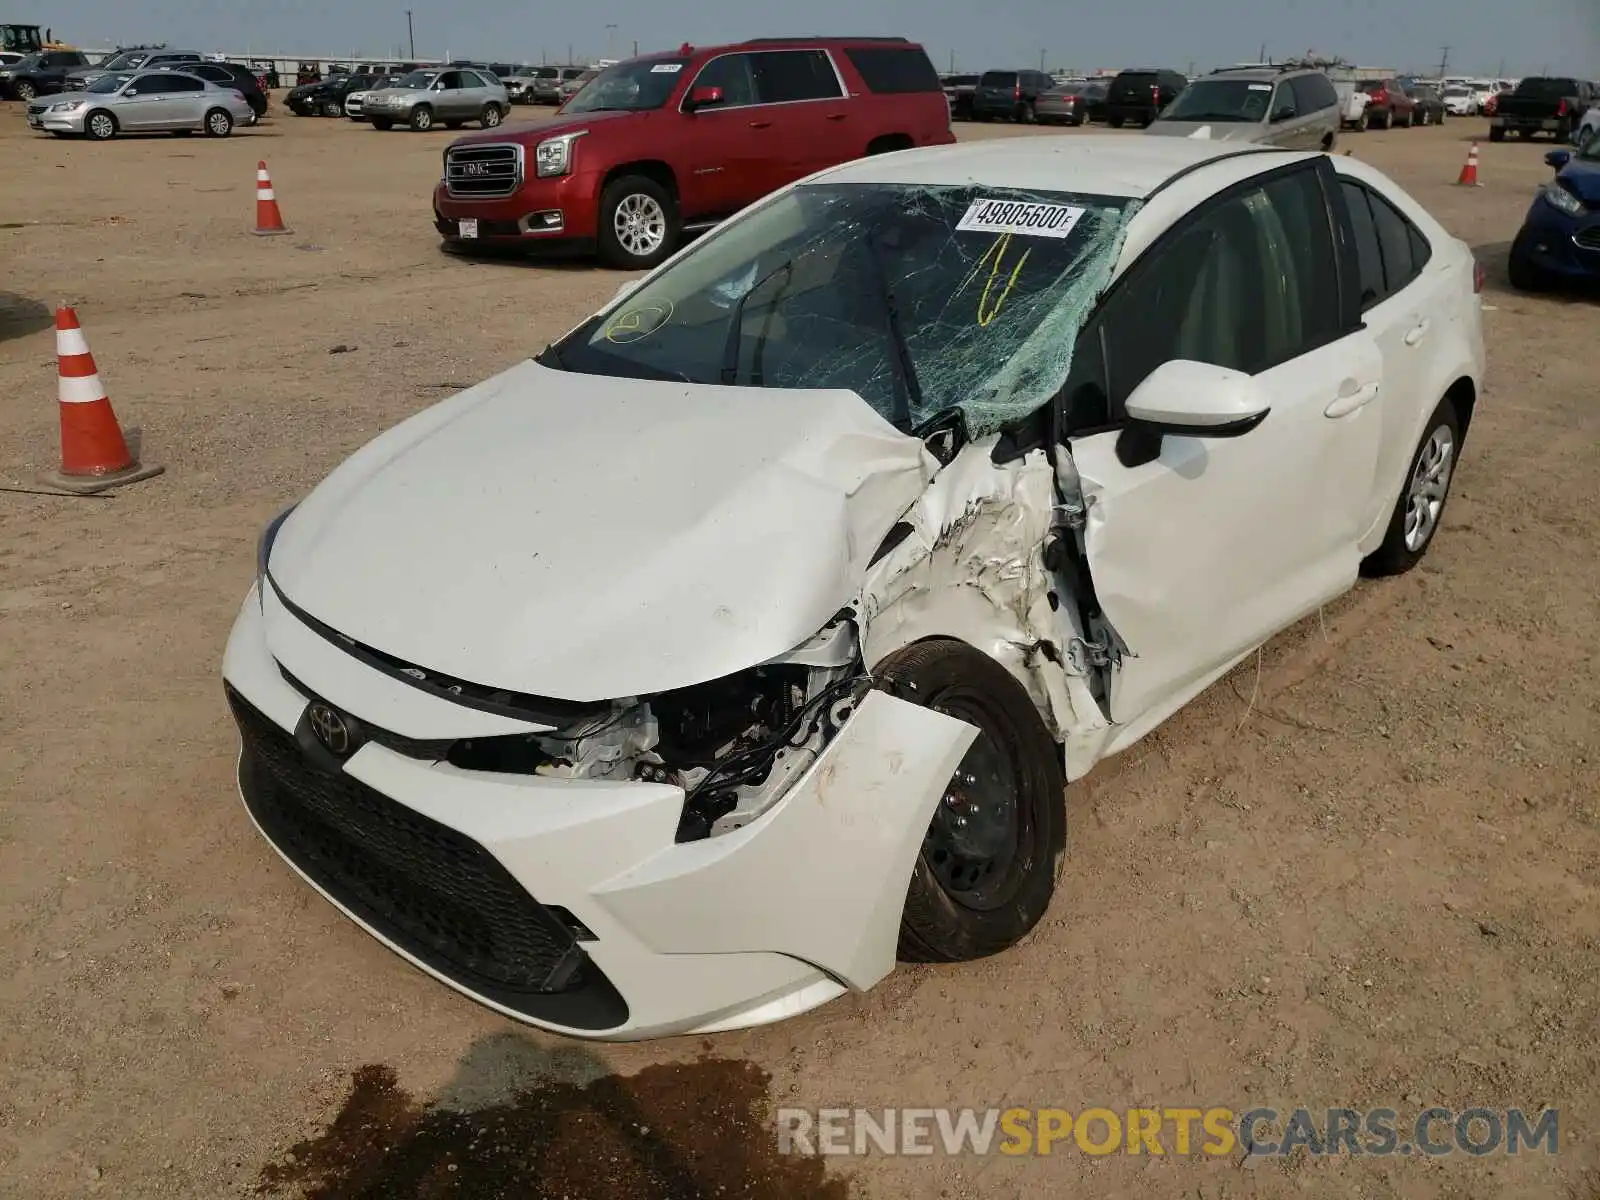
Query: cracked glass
x=919 y=299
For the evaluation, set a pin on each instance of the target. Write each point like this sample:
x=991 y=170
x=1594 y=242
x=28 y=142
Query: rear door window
x=783 y=76
x=182 y=83
x=888 y=71
x=998 y=79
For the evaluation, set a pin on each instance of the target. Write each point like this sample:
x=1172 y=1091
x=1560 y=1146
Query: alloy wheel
x=640 y=224
x=1429 y=484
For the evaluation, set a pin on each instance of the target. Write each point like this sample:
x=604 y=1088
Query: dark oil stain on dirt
x=671 y=1132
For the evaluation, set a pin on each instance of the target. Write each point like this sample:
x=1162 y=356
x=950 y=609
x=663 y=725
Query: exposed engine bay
x=734 y=745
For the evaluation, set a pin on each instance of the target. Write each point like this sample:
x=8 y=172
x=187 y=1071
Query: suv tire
x=421 y=118
x=332 y=108
x=639 y=223
x=1115 y=122
x=26 y=91
x=491 y=116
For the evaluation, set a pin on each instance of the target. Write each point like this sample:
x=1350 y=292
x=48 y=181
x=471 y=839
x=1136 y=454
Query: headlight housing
x=553 y=156
x=68 y=106
x=1563 y=200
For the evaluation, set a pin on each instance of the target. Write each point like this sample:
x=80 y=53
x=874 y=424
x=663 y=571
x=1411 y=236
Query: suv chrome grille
x=1588 y=238
x=483 y=172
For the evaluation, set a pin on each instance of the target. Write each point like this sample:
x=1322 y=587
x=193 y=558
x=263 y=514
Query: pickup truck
x=1543 y=104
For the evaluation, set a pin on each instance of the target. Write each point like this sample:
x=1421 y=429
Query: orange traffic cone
x=268 y=219
x=94 y=454
x=1469 y=172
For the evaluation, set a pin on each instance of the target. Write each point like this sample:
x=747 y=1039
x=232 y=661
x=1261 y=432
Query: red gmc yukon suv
x=668 y=143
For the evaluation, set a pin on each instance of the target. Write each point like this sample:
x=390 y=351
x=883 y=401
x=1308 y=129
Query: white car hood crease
x=589 y=538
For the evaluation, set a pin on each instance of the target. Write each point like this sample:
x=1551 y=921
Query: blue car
x=1560 y=237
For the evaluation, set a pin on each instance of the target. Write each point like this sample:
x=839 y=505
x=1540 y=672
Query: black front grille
x=483 y=172
x=1588 y=238
x=429 y=889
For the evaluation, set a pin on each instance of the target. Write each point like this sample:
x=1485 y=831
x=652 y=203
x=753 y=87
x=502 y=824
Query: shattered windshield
x=919 y=299
x=1221 y=100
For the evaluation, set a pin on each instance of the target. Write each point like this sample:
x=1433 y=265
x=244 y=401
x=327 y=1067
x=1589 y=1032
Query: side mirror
x=1189 y=399
x=1558 y=159
x=1284 y=114
x=704 y=97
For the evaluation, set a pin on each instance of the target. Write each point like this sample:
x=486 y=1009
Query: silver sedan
x=142 y=102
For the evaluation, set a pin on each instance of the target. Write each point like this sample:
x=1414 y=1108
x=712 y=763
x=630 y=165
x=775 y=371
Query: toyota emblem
x=330 y=729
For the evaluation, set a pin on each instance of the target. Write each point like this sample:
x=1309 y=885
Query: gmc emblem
x=475 y=168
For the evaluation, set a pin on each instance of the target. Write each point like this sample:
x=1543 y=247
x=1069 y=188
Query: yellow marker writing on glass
x=994 y=259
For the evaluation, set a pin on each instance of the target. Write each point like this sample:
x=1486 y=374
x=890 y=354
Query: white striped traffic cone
x=94 y=454
x=268 y=219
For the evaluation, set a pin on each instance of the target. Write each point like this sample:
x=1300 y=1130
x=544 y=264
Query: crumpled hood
x=588 y=538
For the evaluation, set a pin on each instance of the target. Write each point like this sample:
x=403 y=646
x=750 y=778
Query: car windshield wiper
x=730 y=349
x=910 y=388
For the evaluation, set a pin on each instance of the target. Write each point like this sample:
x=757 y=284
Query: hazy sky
x=1527 y=35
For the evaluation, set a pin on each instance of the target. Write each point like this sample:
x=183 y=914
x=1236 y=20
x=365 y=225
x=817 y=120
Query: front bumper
x=56 y=122
x=559 y=211
x=1558 y=244
x=632 y=934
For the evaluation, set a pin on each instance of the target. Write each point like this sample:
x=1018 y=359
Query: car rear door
x=1198 y=556
x=804 y=113
x=184 y=104
x=1404 y=290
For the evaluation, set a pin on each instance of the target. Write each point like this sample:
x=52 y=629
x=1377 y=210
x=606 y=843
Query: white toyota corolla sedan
x=684 y=677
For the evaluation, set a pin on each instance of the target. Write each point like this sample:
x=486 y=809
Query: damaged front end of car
x=733 y=745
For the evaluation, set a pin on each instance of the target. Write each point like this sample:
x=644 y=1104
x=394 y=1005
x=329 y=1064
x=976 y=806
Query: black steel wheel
x=995 y=845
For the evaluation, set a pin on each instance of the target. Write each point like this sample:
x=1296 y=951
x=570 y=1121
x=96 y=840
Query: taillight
x=1561 y=110
x=1477 y=277
x=1155 y=94
x=1016 y=92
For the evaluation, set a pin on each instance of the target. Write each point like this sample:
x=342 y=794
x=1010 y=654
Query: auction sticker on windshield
x=666 y=68
x=1020 y=216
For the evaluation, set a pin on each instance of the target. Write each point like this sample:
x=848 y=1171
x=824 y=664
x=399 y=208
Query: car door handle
x=1349 y=402
x=1420 y=332
x=760 y=124
x=837 y=116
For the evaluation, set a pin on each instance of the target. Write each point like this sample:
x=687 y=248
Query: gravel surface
x=1377 y=885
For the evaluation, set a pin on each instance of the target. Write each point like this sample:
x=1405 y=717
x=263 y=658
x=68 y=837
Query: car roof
x=1123 y=165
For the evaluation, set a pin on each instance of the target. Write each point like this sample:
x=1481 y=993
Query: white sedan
x=682 y=678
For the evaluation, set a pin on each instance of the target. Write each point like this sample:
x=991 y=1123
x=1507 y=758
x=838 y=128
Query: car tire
x=1564 y=131
x=1525 y=275
x=1029 y=114
x=1115 y=122
x=332 y=108
x=381 y=125
x=638 y=223
x=995 y=846
x=1420 y=507
x=26 y=91
x=100 y=126
x=1497 y=133
x=491 y=116
x=218 y=123
x=1427 y=118
x=421 y=118
x=1364 y=121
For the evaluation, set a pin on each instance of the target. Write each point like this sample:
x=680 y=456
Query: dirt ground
x=1376 y=886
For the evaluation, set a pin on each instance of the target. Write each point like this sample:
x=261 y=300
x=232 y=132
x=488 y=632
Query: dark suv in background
x=1139 y=95
x=41 y=74
x=1009 y=95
